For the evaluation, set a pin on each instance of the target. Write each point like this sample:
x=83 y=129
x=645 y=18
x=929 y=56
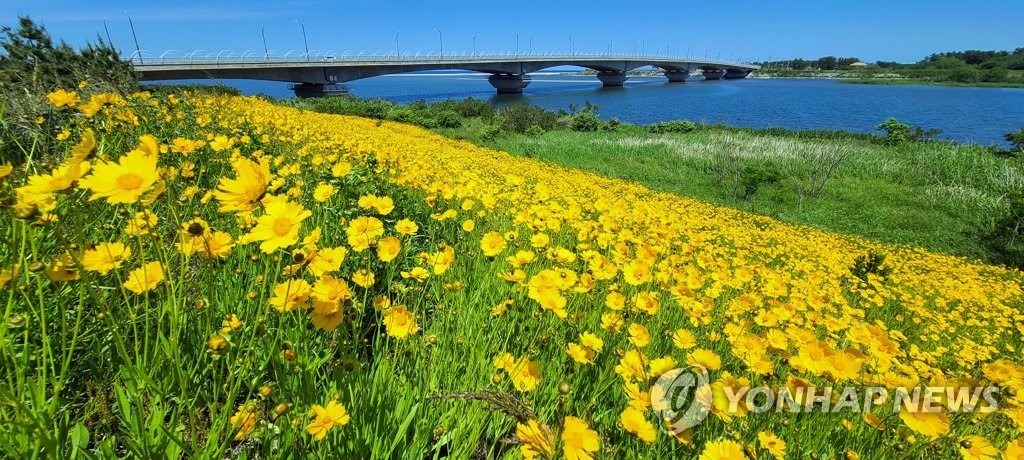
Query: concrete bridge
x=508 y=73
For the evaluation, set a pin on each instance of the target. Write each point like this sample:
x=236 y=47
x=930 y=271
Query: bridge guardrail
x=175 y=57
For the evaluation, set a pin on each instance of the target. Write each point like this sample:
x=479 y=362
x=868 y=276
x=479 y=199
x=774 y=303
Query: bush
x=899 y=133
x=676 y=126
x=1016 y=138
x=448 y=119
x=611 y=125
x=1006 y=238
x=754 y=177
x=585 y=121
x=534 y=131
x=518 y=118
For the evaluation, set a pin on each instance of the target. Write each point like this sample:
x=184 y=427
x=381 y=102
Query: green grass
x=914 y=81
x=936 y=195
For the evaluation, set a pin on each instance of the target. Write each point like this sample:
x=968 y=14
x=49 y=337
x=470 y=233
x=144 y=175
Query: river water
x=963 y=114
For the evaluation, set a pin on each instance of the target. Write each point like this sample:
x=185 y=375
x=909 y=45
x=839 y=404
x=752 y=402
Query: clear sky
x=891 y=30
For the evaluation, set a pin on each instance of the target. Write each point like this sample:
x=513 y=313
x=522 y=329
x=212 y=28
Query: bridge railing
x=175 y=57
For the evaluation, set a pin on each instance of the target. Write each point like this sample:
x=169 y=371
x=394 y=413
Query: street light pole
x=266 y=52
x=440 y=41
x=304 y=42
x=610 y=41
x=531 y=44
x=517 y=42
x=570 y=44
x=474 y=44
x=398 y=50
x=132 y=25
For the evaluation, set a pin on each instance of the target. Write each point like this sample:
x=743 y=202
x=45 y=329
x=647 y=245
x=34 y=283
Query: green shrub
x=1006 y=238
x=754 y=177
x=1016 y=138
x=534 y=131
x=448 y=119
x=675 y=126
x=585 y=121
x=897 y=133
x=518 y=118
x=611 y=125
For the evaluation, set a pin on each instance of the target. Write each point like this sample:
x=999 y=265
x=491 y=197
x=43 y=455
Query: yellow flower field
x=221 y=276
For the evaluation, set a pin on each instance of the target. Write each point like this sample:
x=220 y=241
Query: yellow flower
x=145 y=278
x=279 y=227
x=525 y=374
x=327 y=260
x=930 y=424
x=775 y=446
x=634 y=421
x=537 y=440
x=1014 y=450
x=978 y=448
x=341 y=169
x=363 y=231
x=105 y=257
x=406 y=227
x=85 y=149
x=61 y=98
x=363 y=277
x=220 y=143
x=417 y=273
x=724 y=449
x=244 y=191
x=5 y=170
x=244 y=421
x=492 y=244
x=217 y=343
x=578 y=440
x=388 y=249
x=706 y=358
x=290 y=295
x=684 y=339
x=468 y=225
x=400 y=322
x=324 y=192
x=231 y=323
x=124 y=181
x=326 y=418
x=638 y=335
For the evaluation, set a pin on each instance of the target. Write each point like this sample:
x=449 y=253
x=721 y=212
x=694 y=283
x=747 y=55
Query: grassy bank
x=914 y=81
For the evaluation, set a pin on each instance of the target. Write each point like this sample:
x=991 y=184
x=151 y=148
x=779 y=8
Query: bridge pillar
x=612 y=78
x=305 y=90
x=509 y=83
x=713 y=74
x=677 y=76
x=733 y=74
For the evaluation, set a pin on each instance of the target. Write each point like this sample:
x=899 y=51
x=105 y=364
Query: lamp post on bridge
x=266 y=51
x=440 y=42
x=304 y=42
x=474 y=44
x=610 y=42
x=531 y=45
x=132 y=25
x=570 y=44
x=517 y=42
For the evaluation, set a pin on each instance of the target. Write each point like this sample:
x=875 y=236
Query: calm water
x=964 y=114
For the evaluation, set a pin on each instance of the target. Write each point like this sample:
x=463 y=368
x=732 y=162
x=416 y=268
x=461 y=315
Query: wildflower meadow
x=217 y=276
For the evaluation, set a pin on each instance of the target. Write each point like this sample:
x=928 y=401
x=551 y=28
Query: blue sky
x=904 y=31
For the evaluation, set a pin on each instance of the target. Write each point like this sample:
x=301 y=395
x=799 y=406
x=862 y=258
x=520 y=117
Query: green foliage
x=753 y=177
x=897 y=133
x=872 y=263
x=212 y=90
x=1017 y=139
x=31 y=61
x=534 y=131
x=517 y=118
x=1006 y=238
x=585 y=121
x=675 y=126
